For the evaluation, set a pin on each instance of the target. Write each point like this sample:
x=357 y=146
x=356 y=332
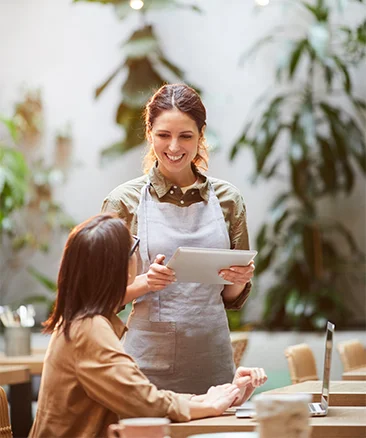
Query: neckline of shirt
x=186 y=188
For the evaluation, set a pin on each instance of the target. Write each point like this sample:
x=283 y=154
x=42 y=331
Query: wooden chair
x=352 y=353
x=301 y=363
x=239 y=344
x=5 y=428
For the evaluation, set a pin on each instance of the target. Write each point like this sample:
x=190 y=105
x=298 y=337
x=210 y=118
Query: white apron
x=179 y=336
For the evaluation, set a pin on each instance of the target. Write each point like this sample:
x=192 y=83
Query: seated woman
x=88 y=381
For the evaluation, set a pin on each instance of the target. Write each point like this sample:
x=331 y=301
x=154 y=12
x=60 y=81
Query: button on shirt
x=90 y=382
x=125 y=199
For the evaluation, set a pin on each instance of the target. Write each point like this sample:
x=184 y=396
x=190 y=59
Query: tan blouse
x=125 y=199
x=90 y=382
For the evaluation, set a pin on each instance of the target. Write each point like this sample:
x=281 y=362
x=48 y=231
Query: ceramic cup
x=283 y=415
x=140 y=428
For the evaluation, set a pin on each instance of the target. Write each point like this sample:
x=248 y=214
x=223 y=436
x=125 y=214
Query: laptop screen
x=327 y=364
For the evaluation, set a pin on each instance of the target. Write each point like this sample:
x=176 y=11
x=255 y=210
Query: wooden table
x=341 y=422
x=20 y=397
x=342 y=393
x=356 y=374
x=12 y=375
x=34 y=362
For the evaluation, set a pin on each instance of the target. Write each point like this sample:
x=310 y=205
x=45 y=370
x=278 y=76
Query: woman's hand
x=247 y=379
x=159 y=276
x=238 y=274
x=221 y=397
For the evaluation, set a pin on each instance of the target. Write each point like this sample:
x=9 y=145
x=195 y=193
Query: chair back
x=239 y=344
x=352 y=353
x=5 y=428
x=301 y=363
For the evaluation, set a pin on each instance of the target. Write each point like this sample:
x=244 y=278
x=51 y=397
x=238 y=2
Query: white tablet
x=202 y=265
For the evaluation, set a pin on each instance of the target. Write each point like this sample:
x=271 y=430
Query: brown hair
x=185 y=99
x=93 y=274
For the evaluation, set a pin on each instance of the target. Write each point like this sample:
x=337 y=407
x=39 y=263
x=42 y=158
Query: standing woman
x=178 y=332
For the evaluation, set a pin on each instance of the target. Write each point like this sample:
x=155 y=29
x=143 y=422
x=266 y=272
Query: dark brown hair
x=94 y=271
x=185 y=99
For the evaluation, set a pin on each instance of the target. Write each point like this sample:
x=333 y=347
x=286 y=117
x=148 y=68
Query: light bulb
x=262 y=2
x=136 y=4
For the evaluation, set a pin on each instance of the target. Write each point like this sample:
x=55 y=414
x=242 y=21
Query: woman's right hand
x=221 y=397
x=159 y=276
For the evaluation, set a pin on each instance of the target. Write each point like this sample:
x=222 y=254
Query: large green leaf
x=43 y=279
x=357 y=143
x=244 y=140
x=173 y=68
x=264 y=148
x=347 y=83
x=263 y=261
x=359 y=106
x=272 y=170
x=261 y=237
x=105 y=84
x=277 y=228
x=141 y=44
x=13 y=178
x=300 y=180
x=11 y=127
x=319 y=11
x=134 y=136
x=311 y=246
x=127 y=116
x=340 y=138
x=278 y=202
x=341 y=229
x=327 y=168
x=295 y=56
x=141 y=82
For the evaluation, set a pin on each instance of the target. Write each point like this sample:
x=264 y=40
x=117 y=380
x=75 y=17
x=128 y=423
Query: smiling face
x=174 y=137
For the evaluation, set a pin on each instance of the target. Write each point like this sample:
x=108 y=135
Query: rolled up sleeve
x=239 y=240
x=240 y=300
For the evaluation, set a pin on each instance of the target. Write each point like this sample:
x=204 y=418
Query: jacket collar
x=118 y=326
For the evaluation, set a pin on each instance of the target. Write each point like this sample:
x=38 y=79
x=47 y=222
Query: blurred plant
x=145 y=67
x=29 y=216
x=310 y=133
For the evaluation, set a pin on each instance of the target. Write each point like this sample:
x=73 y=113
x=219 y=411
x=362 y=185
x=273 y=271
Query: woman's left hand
x=247 y=379
x=238 y=274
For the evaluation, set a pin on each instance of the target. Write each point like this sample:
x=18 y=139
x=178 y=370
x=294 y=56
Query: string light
x=136 y=4
x=262 y=2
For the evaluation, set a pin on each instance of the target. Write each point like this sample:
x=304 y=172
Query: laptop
x=321 y=409
x=247 y=410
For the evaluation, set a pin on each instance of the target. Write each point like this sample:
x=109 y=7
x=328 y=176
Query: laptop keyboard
x=315 y=407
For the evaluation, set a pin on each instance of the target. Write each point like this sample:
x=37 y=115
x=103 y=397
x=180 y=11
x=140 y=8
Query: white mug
x=140 y=428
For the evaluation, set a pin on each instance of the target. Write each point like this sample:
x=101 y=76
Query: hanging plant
x=147 y=69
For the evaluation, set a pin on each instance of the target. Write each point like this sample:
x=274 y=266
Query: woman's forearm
x=232 y=291
x=138 y=288
x=201 y=410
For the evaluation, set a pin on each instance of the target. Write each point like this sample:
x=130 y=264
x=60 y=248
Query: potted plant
x=310 y=134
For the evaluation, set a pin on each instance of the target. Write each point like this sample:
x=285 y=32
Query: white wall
x=68 y=49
